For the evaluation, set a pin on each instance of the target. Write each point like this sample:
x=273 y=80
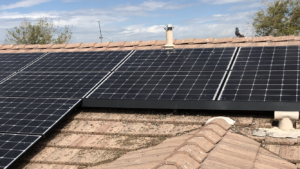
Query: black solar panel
x=268 y=58
x=160 y=86
x=12 y=146
x=32 y=116
x=179 y=60
x=4 y=75
x=50 y=84
x=79 y=61
x=15 y=61
x=279 y=86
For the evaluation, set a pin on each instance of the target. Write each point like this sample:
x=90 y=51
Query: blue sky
x=135 y=19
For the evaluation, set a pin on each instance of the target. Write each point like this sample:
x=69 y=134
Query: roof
x=154 y=44
x=106 y=138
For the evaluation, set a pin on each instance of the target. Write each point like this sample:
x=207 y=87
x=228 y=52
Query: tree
x=43 y=32
x=280 y=18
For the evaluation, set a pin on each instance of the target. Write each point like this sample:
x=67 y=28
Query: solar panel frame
x=9 y=155
x=51 y=84
x=33 y=115
x=270 y=58
x=12 y=62
x=267 y=86
x=158 y=83
x=181 y=60
x=79 y=61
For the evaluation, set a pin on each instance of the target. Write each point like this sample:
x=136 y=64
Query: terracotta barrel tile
x=209 y=135
x=213 y=164
x=283 y=38
x=223 y=40
x=271 y=162
x=17 y=47
x=293 y=43
x=116 y=44
x=221 y=122
x=203 y=41
x=242 y=139
x=6 y=47
x=262 y=39
x=132 y=43
x=128 y=48
x=45 y=46
x=101 y=45
x=194 y=46
x=243 y=39
x=226 y=159
x=184 y=161
x=290 y=153
x=273 y=148
x=31 y=46
x=59 y=46
x=167 y=166
x=243 y=121
x=195 y=151
x=87 y=45
x=216 y=128
x=163 y=42
x=180 y=46
x=144 y=48
x=281 y=141
x=201 y=142
x=73 y=45
x=49 y=166
x=184 y=41
x=148 y=43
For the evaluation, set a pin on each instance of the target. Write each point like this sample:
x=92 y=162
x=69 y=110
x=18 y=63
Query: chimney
x=169 y=30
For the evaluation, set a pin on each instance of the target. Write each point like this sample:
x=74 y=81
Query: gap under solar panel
x=275 y=86
x=206 y=59
x=79 y=61
x=32 y=115
x=15 y=61
x=201 y=85
x=50 y=84
x=12 y=146
x=268 y=58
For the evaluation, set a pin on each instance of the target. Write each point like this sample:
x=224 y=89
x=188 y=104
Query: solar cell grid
x=179 y=60
x=15 y=61
x=268 y=58
x=160 y=86
x=79 y=61
x=32 y=116
x=281 y=86
x=50 y=84
x=12 y=146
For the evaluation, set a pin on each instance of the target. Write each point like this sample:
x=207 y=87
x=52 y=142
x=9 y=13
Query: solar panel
x=50 y=84
x=268 y=58
x=32 y=115
x=278 y=86
x=79 y=61
x=4 y=75
x=200 y=85
x=179 y=60
x=12 y=146
x=15 y=61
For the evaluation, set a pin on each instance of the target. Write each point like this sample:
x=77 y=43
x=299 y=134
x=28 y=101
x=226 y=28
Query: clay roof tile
x=184 y=41
x=117 y=44
x=45 y=46
x=148 y=43
x=73 y=45
x=132 y=43
x=5 y=47
x=203 y=41
x=87 y=45
x=17 y=47
x=59 y=46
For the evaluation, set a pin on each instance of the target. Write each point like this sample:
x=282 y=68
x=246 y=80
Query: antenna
x=101 y=37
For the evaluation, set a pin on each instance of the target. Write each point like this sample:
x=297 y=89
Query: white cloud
x=219 y=2
x=23 y=4
x=151 y=6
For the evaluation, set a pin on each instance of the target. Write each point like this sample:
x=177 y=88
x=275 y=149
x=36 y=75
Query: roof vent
x=169 y=31
x=285 y=122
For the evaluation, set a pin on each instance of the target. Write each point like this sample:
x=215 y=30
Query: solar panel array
x=32 y=115
x=13 y=146
x=10 y=62
x=50 y=84
x=264 y=74
x=79 y=61
x=40 y=93
x=184 y=74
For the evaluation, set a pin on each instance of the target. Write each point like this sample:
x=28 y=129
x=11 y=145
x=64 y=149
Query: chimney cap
x=169 y=27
